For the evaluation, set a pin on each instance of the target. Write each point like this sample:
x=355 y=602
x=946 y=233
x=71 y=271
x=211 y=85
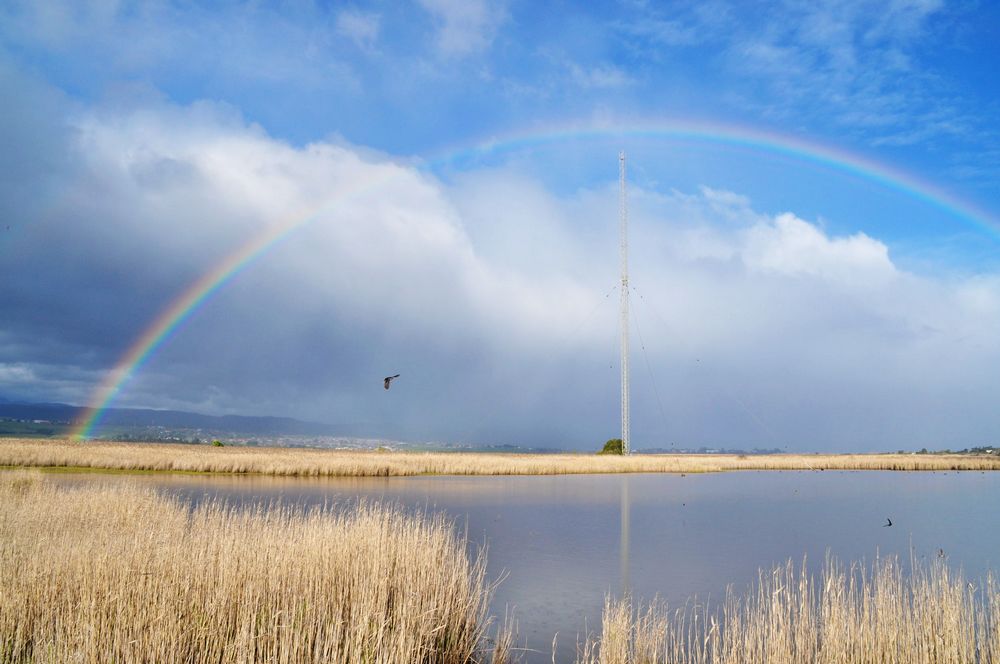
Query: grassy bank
x=875 y=615
x=319 y=463
x=116 y=573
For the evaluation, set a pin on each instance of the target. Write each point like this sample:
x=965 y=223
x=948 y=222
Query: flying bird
x=887 y=523
x=389 y=379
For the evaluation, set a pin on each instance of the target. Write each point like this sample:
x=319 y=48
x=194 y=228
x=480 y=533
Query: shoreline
x=62 y=455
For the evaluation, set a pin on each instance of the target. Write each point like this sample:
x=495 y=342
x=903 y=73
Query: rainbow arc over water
x=164 y=325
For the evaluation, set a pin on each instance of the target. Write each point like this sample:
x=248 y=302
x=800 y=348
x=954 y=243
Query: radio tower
x=623 y=214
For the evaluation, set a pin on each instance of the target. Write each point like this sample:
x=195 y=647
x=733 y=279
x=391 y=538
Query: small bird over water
x=888 y=522
x=389 y=379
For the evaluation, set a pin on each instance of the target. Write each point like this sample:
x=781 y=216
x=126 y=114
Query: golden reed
x=335 y=463
x=115 y=573
x=856 y=615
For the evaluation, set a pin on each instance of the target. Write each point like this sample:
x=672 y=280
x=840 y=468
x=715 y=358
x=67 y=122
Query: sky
x=264 y=208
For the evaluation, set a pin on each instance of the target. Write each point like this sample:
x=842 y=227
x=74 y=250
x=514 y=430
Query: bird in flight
x=887 y=523
x=389 y=379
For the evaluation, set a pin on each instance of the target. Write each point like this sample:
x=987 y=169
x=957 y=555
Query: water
x=560 y=544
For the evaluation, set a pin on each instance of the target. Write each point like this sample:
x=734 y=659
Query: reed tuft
x=849 y=615
x=116 y=573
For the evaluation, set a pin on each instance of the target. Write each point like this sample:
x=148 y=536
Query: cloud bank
x=491 y=295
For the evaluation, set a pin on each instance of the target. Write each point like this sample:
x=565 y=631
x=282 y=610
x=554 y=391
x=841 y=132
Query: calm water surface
x=560 y=544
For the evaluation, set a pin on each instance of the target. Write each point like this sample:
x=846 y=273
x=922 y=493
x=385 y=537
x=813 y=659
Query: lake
x=559 y=544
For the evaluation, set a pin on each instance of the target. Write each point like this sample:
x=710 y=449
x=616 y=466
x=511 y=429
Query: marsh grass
x=850 y=615
x=336 y=463
x=118 y=573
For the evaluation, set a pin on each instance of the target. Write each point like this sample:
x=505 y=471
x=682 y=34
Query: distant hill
x=64 y=414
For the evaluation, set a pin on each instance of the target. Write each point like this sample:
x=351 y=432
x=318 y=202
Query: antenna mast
x=623 y=214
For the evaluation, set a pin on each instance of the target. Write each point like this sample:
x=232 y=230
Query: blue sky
x=785 y=302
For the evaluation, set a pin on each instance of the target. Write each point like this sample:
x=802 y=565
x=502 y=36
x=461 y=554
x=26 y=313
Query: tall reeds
x=331 y=463
x=117 y=573
x=121 y=574
x=850 y=615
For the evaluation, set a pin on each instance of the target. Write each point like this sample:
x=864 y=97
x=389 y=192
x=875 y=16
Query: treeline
x=990 y=449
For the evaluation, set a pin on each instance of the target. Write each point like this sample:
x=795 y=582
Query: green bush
x=613 y=446
x=217 y=443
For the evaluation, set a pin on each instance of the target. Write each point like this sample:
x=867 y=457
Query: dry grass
x=119 y=574
x=874 y=615
x=330 y=463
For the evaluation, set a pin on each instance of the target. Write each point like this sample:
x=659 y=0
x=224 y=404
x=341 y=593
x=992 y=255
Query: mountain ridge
x=61 y=413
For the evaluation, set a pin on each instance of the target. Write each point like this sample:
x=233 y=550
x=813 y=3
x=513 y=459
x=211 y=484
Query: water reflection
x=563 y=543
x=624 y=538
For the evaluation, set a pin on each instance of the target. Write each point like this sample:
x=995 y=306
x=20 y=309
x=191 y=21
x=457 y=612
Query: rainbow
x=192 y=298
x=813 y=152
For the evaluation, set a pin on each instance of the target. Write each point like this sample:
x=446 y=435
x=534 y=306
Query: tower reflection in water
x=624 y=538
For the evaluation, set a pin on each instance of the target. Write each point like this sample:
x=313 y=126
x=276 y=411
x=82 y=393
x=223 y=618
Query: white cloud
x=670 y=32
x=866 y=65
x=602 y=76
x=860 y=58
x=488 y=292
x=792 y=246
x=360 y=27
x=230 y=43
x=58 y=22
x=465 y=26
x=16 y=375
